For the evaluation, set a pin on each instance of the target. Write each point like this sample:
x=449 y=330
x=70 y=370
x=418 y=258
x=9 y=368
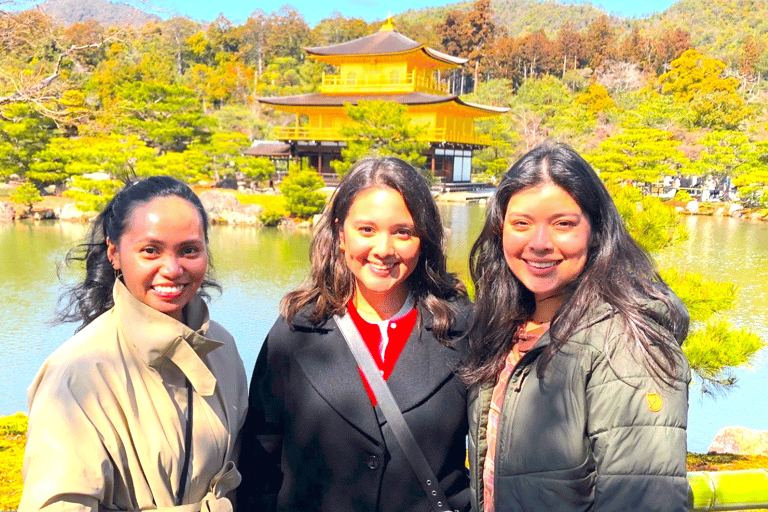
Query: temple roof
x=384 y=42
x=412 y=98
x=269 y=148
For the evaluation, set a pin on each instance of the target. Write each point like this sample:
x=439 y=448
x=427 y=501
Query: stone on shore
x=7 y=212
x=740 y=441
x=70 y=212
x=226 y=208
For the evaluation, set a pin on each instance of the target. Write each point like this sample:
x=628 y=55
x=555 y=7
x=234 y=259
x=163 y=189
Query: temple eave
x=412 y=99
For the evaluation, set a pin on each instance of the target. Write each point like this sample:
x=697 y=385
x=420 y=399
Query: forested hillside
x=518 y=17
x=720 y=27
x=107 y=13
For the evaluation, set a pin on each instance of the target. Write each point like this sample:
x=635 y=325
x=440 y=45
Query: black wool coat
x=312 y=440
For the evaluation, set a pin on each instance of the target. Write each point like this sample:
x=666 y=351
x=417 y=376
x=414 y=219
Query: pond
x=257 y=267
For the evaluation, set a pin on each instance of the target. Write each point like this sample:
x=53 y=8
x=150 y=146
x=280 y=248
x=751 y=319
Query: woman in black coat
x=314 y=438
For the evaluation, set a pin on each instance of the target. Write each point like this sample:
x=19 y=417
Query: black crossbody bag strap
x=392 y=413
x=187 y=448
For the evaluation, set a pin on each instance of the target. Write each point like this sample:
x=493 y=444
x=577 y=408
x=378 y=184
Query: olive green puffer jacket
x=597 y=432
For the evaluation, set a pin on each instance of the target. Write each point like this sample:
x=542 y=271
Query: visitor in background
x=580 y=387
x=314 y=438
x=142 y=407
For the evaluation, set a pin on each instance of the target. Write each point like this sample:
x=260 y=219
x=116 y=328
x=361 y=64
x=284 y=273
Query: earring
x=118 y=274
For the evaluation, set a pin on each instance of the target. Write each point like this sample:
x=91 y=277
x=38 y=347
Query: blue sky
x=238 y=11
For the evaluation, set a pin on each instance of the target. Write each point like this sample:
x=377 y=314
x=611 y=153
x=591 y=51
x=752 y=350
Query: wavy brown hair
x=331 y=284
x=617 y=272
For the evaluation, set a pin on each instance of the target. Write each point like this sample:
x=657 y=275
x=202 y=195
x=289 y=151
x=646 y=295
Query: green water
x=257 y=267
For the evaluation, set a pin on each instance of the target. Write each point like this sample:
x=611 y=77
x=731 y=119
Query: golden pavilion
x=384 y=66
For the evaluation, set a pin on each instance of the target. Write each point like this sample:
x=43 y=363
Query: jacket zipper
x=518 y=386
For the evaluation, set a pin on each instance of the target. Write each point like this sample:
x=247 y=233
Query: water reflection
x=258 y=266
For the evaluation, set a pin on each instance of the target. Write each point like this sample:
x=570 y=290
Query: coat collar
x=423 y=366
x=156 y=337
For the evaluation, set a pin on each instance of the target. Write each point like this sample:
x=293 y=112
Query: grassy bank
x=13 y=429
x=12 y=438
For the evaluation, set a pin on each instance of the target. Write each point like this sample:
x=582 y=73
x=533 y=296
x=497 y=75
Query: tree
x=546 y=108
x=638 y=154
x=227 y=82
x=653 y=224
x=753 y=180
x=253 y=35
x=284 y=75
x=121 y=157
x=286 y=35
x=635 y=48
x=491 y=162
x=536 y=53
x=339 y=29
x=699 y=82
x=596 y=99
x=300 y=189
x=751 y=51
x=178 y=30
x=24 y=133
x=599 y=41
x=380 y=128
x=191 y=166
x=569 y=46
x=92 y=195
x=669 y=45
x=713 y=347
x=27 y=194
x=166 y=117
x=482 y=34
x=223 y=156
x=647 y=108
x=472 y=35
x=35 y=65
x=507 y=60
x=725 y=153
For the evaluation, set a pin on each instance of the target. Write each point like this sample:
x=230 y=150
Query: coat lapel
x=332 y=370
x=424 y=365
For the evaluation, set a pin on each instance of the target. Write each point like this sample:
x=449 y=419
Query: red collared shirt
x=398 y=330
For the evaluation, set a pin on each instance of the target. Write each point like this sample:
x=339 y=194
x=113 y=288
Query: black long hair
x=331 y=285
x=92 y=296
x=617 y=272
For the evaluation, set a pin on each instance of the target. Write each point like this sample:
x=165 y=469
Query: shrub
x=300 y=189
x=271 y=218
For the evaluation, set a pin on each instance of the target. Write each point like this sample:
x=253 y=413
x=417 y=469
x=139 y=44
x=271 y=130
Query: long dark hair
x=93 y=296
x=330 y=284
x=617 y=271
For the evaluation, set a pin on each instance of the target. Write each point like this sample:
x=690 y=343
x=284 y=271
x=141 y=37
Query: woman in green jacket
x=580 y=387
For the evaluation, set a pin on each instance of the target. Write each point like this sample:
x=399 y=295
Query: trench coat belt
x=215 y=501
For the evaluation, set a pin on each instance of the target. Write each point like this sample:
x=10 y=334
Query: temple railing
x=381 y=84
x=331 y=134
x=728 y=490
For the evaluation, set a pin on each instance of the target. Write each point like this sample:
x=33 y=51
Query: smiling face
x=546 y=243
x=381 y=249
x=162 y=254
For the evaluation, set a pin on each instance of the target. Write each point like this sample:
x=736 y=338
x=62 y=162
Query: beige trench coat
x=107 y=413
